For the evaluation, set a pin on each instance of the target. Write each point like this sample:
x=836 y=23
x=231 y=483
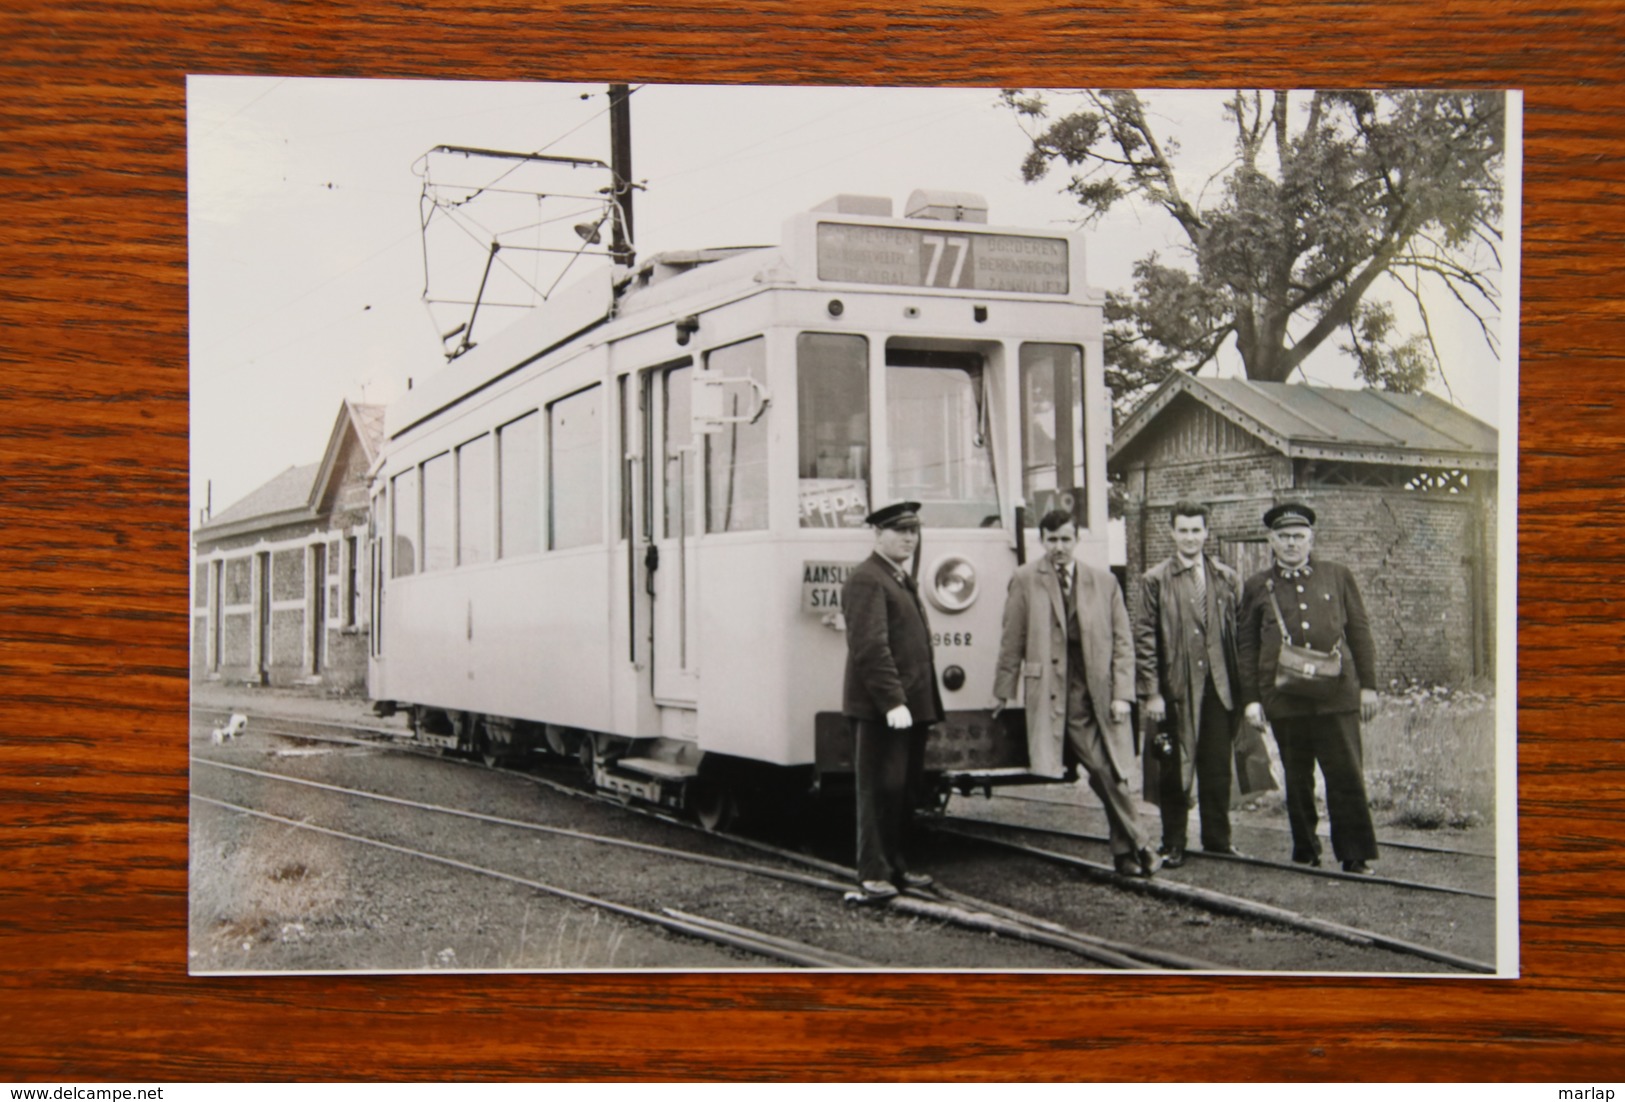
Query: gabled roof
x=297 y=493
x=288 y=492
x=1319 y=422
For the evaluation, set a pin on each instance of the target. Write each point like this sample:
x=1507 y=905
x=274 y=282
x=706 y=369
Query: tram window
x=439 y=514
x=678 y=434
x=575 y=470
x=475 y=504
x=403 y=558
x=832 y=397
x=1052 y=452
x=736 y=457
x=519 y=487
x=940 y=443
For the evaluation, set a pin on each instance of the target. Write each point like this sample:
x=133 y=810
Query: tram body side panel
x=527 y=640
x=527 y=637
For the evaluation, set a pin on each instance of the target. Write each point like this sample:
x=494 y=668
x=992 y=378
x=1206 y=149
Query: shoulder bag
x=1303 y=671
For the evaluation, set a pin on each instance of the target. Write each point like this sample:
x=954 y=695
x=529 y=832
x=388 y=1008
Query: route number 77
x=937 y=244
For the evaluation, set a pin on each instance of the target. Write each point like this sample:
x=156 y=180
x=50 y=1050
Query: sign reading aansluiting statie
x=942 y=256
x=821 y=585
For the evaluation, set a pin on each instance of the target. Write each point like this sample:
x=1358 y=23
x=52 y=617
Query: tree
x=1322 y=200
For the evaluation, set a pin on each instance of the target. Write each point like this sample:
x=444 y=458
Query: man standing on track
x=1067 y=636
x=891 y=697
x=1315 y=603
x=1185 y=643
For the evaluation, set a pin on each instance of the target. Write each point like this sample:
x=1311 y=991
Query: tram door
x=671 y=490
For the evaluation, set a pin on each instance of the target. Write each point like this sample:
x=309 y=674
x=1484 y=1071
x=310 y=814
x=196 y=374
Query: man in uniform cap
x=890 y=698
x=1318 y=603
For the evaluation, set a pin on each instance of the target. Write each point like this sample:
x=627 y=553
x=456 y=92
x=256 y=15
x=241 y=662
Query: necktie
x=1066 y=587
x=1201 y=592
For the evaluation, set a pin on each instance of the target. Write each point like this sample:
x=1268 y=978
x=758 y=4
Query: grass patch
x=1430 y=758
x=253 y=883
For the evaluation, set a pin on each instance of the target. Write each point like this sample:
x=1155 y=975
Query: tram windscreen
x=939 y=441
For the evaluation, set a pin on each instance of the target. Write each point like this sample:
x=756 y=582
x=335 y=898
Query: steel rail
x=1240 y=859
x=969 y=913
x=1421 y=847
x=1222 y=902
x=539 y=828
x=737 y=937
x=1082 y=943
x=407 y=736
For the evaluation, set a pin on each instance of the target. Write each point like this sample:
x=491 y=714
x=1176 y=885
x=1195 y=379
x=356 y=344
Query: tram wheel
x=713 y=804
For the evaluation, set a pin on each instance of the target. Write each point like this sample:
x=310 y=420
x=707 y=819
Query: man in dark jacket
x=891 y=696
x=1319 y=605
x=1185 y=647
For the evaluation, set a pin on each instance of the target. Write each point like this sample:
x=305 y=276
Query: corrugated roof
x=1374 y=417
x=1359 y=425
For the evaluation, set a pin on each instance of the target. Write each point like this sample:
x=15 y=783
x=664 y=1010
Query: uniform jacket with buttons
x=1032 y=654
x=888 y=645
x=1322 y=609
x=1176 y=652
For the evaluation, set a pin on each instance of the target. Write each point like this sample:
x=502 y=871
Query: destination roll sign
x=942 y=255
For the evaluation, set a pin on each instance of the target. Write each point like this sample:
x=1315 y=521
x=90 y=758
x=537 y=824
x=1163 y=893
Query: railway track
x=943 y=905
x=1228 y=903
x=721 y=933
x=1385 y=843
x=1202 y=856
x=944 y=908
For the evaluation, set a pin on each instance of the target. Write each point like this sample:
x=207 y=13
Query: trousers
x=1211 y=777
x=1331 y=740
x=889 y=764
x=1084 y=735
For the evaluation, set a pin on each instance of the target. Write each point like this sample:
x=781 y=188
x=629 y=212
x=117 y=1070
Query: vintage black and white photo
x=708 y=528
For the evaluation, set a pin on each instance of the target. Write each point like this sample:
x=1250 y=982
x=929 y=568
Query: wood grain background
x=93 y=584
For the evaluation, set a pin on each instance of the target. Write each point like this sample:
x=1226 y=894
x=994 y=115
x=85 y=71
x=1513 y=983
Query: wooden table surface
x=93 y=571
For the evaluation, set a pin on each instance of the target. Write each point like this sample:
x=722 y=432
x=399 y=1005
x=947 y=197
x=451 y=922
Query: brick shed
x=281 y=581
x=1403 y=485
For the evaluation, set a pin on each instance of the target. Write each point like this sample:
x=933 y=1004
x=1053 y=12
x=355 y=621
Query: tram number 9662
x=950 y=638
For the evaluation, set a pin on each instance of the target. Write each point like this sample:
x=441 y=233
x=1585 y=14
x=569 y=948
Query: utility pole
x=620 y=164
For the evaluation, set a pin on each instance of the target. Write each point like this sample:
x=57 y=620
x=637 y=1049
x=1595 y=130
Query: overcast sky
x=307 y=259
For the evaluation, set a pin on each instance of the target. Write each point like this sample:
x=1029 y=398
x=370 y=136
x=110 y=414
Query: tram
x=618 y=529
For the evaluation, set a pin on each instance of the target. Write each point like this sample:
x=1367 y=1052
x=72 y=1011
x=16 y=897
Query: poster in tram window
x=833 y=503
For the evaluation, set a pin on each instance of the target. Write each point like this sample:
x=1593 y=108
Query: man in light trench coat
x=1067 y=639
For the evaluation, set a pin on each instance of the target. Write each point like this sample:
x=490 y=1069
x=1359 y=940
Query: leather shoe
x=1358 y=868
x=878 y=889
x=1127 y=864
x=1312 y=862
x=915 y=880
x=1173 y=857
x=1149 y=862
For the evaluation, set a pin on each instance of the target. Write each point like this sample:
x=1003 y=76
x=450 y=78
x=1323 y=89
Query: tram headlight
x=953 y=584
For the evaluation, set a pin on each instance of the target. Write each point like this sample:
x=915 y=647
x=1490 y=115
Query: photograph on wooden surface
x=924 y=529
